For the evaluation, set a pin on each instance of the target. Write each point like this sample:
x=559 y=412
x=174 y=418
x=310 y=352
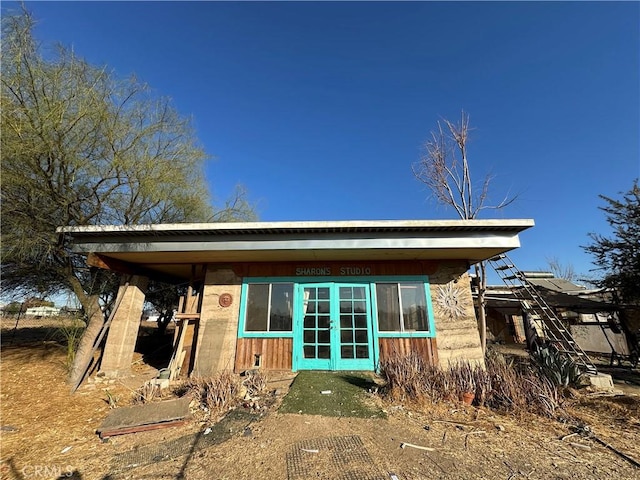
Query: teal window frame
x=424 y=280
x=371 y=280
x=244 y=292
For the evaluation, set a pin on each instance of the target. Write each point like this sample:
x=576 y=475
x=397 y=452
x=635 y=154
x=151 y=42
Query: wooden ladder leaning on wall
x=186 y=333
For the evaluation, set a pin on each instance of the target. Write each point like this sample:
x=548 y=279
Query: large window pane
x=388 y=307
x=281 y=311
x=257 y=308
x=414 y=306
x=402 y=307
x=269 y=307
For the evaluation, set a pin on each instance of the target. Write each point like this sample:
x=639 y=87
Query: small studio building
x=300 y=295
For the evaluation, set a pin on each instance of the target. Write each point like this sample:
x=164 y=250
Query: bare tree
x=566 y=271
x=444 y=169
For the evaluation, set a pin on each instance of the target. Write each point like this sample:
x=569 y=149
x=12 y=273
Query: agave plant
x=558 y=367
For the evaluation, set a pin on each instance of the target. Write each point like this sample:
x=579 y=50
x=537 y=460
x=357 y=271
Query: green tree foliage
x=81 y=146
x=165 y=299
x=618 y=255
x=13 y=308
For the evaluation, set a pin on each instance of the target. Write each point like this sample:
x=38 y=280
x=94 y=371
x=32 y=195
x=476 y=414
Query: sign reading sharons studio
x=328 y=271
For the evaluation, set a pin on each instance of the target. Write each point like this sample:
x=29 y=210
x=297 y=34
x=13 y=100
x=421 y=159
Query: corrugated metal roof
x=555 y=284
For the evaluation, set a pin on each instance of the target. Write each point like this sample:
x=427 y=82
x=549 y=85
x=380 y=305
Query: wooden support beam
x=113 y=264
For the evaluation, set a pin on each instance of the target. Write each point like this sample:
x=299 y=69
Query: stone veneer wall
x=216 y=343
x=457 y=337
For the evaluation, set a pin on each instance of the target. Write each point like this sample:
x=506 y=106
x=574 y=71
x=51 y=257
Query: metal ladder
x=537 y=308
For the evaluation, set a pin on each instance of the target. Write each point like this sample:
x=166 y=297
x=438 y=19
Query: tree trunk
x=481 y=274
x=95 y=320
x=163 y=321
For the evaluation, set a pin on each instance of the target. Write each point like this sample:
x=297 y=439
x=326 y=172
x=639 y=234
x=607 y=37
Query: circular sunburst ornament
x=451 y=302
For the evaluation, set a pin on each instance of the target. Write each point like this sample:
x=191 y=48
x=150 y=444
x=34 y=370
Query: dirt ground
x=49 y=433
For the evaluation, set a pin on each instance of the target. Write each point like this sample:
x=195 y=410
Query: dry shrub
x=146 y=393
x=255 y=382
x=502 y=386
x=517 y=388
x=410 y=377
x=216 y=393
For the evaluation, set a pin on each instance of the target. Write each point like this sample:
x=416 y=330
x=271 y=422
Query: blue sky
x=320 y=108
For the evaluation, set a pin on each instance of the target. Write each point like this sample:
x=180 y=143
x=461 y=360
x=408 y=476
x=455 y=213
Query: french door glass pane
x=323 y=321
x=346 y=351
x=360 y=321
x=324 y=351
x=309 y=321
x=361 y=336
x=346 y=336
x=323 y=336
x=362 y=351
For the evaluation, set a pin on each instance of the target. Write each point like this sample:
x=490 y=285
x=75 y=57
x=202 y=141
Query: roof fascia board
x=486 y=241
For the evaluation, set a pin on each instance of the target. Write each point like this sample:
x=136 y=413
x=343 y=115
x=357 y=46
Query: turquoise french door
x=333 y=327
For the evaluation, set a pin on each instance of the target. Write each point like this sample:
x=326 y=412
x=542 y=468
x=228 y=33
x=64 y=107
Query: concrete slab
x=601 y=381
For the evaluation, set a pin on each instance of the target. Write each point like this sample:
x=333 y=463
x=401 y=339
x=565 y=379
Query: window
x=269 y=307
x=402 y=307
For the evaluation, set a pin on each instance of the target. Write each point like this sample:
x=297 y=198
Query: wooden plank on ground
x=145 y=417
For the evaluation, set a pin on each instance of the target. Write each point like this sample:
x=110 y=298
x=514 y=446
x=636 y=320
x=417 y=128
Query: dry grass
x=504 y=386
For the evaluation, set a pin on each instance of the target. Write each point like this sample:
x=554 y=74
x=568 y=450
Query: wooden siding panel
x=425 y=347
x=276 y=353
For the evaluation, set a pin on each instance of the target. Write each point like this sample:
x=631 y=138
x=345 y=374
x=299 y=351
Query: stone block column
x=457 y=335
x=217 y=338
x=123 y=332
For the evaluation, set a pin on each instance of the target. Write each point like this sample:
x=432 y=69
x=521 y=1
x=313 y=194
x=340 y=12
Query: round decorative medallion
x=225 y=300
x=451 y=301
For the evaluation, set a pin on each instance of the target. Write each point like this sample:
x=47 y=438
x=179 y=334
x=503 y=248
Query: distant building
x=43 y=311
x=593 y=321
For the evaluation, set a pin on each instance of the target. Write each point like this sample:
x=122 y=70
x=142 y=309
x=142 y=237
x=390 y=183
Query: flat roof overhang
x=171 y=249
